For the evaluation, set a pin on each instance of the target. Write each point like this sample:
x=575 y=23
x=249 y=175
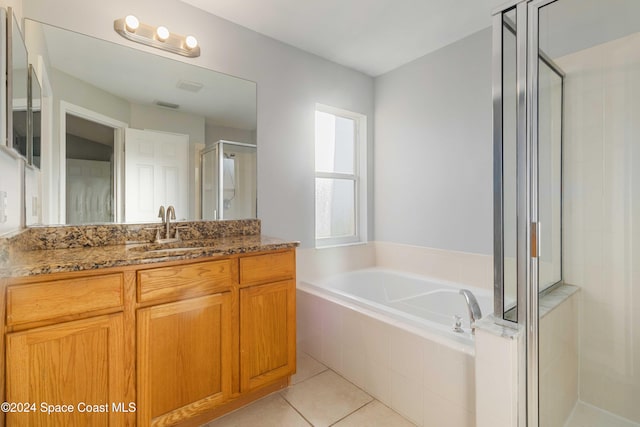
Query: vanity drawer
x=60 y=298
x=182 y=281
x=267 y=268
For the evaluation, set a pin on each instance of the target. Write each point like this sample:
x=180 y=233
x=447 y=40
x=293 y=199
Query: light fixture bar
x=158 y=37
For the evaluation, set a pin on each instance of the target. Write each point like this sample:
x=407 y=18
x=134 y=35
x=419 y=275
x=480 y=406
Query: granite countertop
x=20 y=263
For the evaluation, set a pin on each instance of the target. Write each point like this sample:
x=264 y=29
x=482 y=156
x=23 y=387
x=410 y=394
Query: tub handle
x=457 y=325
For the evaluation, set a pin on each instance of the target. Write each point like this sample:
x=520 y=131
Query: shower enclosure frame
x=218 y=148
x=527 y=223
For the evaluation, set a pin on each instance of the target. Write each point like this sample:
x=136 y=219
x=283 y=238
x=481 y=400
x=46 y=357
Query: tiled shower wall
x=601 y=222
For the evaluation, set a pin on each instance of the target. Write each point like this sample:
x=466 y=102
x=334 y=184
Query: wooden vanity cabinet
x=185 y=348
x=184 y=358
x=267 y=319
x=181 y=341
x=68 y=371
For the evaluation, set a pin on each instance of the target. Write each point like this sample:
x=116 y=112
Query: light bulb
x=162 y=33
x=191 y=42
x=132 y=23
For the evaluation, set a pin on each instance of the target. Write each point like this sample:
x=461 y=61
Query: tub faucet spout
x=472 y=305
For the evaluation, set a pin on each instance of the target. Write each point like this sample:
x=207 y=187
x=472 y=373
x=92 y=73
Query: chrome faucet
x=171 y=214
x=472 y=305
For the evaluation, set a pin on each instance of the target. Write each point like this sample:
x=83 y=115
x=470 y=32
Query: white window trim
x=359 y=177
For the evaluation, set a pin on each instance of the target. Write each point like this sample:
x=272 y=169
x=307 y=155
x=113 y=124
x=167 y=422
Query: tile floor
x=317 y=397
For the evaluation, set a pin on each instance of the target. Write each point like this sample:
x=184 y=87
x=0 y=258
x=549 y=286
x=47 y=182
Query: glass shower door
x=577 y=207
x=590 y=357
x=229 y=189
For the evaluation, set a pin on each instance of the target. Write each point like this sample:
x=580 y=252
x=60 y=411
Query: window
x=340 y=177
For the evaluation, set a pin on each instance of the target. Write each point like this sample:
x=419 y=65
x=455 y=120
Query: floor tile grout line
x=354 y=411
x=312 y=376
x=294 y=408
x=373 y=399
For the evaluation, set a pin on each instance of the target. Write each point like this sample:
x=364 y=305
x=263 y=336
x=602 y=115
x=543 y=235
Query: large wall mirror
x=129 y=131
x=18 y=78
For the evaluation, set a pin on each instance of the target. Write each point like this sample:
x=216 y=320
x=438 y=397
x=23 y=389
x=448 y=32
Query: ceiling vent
x=167 y=105
x=190 y=86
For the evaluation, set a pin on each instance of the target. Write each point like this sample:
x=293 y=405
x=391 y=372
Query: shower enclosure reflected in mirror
x=35 y=119
x=131 y=126
x=228 y=168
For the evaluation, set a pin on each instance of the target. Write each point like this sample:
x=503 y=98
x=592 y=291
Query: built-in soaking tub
x=392 y=333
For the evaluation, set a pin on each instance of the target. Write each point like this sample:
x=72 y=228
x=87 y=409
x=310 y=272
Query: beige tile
x=585 y=415
x=332 y=337
x=375 y=414
x=407 y=354
x=476 y=270
x=407 y=396
x=441 y=412
x=325 y=398
x=307 y=367
x=309 y=317
x=272 y=411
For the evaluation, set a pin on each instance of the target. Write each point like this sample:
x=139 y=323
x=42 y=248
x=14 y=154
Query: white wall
x=433 y=150
x=10 y=183
x=10 y=168
x=290 y=83
x=216 y=133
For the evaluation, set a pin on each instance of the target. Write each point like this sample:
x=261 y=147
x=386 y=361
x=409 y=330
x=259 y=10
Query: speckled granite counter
x=35 y=251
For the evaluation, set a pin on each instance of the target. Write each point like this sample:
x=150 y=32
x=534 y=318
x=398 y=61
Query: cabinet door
x=77 y=364
x=267 y=333
x=184 y=358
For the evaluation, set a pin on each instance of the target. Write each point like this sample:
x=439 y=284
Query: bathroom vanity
x=146 y=335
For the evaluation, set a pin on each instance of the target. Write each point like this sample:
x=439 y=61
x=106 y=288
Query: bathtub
x=391 y=333
x=418 y=300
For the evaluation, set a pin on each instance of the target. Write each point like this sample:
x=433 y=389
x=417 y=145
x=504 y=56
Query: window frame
x=359 y=178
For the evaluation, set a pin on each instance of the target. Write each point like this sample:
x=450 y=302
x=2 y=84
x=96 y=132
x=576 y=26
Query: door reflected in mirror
x=132 y=129
x=89 y=153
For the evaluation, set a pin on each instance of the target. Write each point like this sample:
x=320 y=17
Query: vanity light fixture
x=162 y=33
x=191 y=42
x=160 y=37
x=131 y=23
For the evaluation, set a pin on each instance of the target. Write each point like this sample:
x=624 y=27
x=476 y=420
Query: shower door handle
x=535 y=239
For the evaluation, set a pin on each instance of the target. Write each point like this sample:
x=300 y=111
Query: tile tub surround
x=210 y=240
x=498 y=346
x=558 y=349
x=452 y=266
x=427 y=382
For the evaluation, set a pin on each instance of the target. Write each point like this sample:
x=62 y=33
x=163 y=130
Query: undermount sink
x=180 y=249
x=173 y=246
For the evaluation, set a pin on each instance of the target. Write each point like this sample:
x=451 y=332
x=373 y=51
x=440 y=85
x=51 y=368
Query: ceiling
x=371 y=36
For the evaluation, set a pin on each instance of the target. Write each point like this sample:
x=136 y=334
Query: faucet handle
x=178 y=228
x=157 y=230
x=161 y=213
x=457 y=323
